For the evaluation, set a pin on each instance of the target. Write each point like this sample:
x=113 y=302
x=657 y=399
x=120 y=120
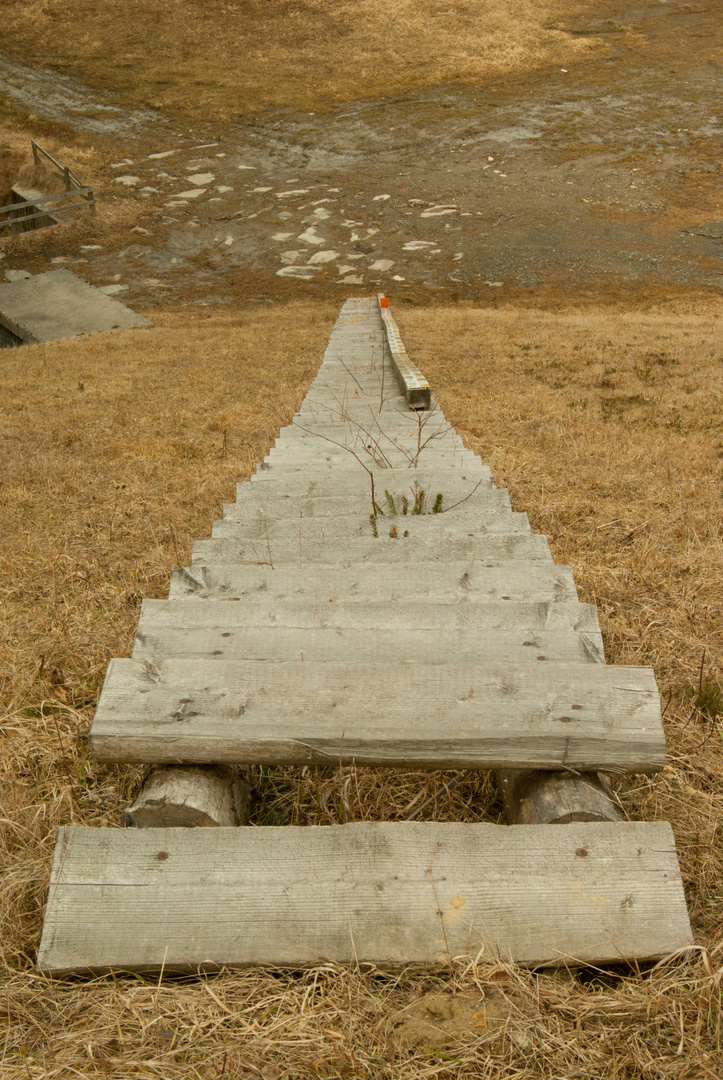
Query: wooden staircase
x=371 y=597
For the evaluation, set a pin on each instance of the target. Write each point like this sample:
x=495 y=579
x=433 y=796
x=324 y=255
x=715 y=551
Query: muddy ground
x=602 y=181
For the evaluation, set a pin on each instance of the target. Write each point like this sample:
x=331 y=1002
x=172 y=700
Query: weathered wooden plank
x=424 y=527
x=275 y=505
x=455 y=715
x=321 y=479
x=382 y=892
x=444 y=582
x=319 y=612
x=259 y=510
x=510 y=547
x=316 y=644
x=416 y=388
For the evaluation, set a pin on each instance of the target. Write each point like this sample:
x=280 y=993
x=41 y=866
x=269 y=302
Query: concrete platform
x=60 y=305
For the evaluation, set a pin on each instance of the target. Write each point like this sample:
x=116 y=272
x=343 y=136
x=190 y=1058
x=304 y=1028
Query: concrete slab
x=60 y=305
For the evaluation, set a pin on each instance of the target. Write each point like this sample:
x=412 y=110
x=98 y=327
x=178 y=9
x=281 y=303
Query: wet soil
x=602 y=181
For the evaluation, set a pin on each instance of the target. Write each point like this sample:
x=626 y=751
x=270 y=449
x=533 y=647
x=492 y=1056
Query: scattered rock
x=382 y=264
x=352 y=279
x=380 y=198
x=113 y=290
x=201 y=179
x=251 y=167
x=396 y=277
x=288 y=194
x=223 y=188
x=281 y=236
x=297 y=271
x=418 y=245
x=140 y=230
x=120 y=164
x=17 y=275
x=290 y=257
x=129 y=181
x=438 y=211
x=193 y=193
x=91 y=247
x=162 y=154
x=323 y=257
x=311 y=237
x=260 y=190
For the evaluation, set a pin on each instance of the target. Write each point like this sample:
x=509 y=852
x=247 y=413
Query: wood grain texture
x=262 y=613
x=288 y=553
x=191 y=796
x=438 y=582
x=386 y=893
x=549 y=798
x=275 y=506
x=426 y=527
x=457 y=715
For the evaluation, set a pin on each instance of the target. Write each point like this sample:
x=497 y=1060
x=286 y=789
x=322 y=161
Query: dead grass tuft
x=606 y=428
x=215 y=60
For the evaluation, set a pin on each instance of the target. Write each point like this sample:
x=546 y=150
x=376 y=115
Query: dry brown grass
x=114 y=461
x=215 y=59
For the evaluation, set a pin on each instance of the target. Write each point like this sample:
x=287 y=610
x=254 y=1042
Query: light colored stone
x=352 y=279
x=323 y=257
x=163 y=154
x=260 y=190
x=281 y=236
x=381 y=198
x=438 y=211
x=17 y=275
x=382 y=264
x=201 y=179
x=127 y=181
x=113 y=290
x=290 y=257
x=418 y=245
x=311 y=237
x=288 y=194
x=306 y=272
x=223 y=188
x=192 y=194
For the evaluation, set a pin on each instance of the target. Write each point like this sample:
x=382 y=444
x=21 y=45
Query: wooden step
x=318 y=644
x=373 y=615
x=444 y=582
x=255 y=507
x=540 y=715
x=273 y=505
x=425 y=527
x=508 y=547
x=381 y=893
x=320 y=479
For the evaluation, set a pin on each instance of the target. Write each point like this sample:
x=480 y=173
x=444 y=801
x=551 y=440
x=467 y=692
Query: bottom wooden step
x=387 y=893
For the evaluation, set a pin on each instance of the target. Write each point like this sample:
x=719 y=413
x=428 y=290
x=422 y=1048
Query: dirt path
x=602 y=180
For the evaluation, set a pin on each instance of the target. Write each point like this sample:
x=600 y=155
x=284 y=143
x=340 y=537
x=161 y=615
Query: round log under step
x=556 y=798
x=188 y=796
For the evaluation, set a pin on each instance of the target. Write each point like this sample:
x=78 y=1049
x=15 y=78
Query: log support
x=533 y=797
x=190 y=796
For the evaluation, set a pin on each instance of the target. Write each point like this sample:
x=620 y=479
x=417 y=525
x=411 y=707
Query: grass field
x=216 y=60
x=118 y=451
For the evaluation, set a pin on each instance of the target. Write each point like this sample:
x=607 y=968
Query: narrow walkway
x=391 y=610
